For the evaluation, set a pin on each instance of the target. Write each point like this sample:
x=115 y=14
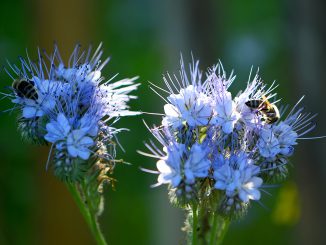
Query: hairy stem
x=223 y=230
x=208 y=228
x=213 y=230
x=194 y=224
x=219 y=228
x=89 y=216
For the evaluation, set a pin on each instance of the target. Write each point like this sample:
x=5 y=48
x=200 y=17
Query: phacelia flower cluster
x=220 y=149
x=73 y=108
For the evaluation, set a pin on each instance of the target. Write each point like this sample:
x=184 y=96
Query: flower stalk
x=212 y=235
x=220 y=150
x=90 y=217
x=219 y=228
x=194 y=224
x=208 y=227
x=74 y=108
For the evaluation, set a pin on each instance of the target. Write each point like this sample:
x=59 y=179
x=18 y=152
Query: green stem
x=219 y=228
x=194 y=224
x=212 y=227
x=223 y=230
x=89 y=217
x=213 y=230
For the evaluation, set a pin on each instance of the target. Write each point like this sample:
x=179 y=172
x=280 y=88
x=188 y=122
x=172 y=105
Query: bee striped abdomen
x=25 y=89
x=254 y=104
x=269 y=112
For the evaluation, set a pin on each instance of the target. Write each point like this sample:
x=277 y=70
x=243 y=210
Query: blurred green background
x=285 y=39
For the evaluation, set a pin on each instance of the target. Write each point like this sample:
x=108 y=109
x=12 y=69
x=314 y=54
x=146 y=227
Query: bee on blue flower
x=220 y=151
x=277 y=141
x=71 y=106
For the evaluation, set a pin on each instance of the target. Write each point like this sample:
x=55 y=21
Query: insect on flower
x=269 y=111
x=220 y=151
x=25 y=89
x=71 y=106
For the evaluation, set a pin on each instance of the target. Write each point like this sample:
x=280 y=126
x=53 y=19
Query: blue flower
x=45 y=101
x=170 y=167
x=73 y=107
x=78 y=144
x=197 y=164
x=286 y=137
x=220 y=148
x=238 y=177
x=226 y=114
x=182 y=166
x=57 y=129
x=268 y=143
x=189 y=106
x=75 y=141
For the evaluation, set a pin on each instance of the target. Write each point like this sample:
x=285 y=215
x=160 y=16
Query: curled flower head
x=73 y=107
x=221 y=150
x=286 y=137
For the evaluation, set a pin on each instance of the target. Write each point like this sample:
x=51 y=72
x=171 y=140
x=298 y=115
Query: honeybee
x=268 y=110
x=25 y=89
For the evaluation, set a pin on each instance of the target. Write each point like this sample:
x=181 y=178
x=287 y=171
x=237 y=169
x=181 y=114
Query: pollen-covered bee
x=268 y=110
x=25 y=89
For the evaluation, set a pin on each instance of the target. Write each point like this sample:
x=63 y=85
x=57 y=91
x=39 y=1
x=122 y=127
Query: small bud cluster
x=222 y=147
x=73 y=108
